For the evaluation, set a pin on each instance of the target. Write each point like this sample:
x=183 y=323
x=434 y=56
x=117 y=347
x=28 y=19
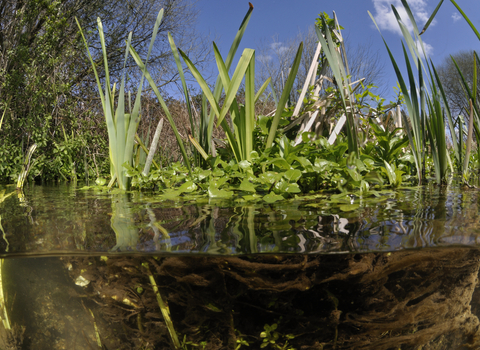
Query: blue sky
x=284 y=19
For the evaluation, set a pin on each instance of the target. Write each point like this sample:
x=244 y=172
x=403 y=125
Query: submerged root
x=371 y=301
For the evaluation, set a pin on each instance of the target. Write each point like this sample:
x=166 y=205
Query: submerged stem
x=164 y=308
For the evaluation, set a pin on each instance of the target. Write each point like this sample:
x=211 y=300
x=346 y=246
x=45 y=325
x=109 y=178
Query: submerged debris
x=369 y=301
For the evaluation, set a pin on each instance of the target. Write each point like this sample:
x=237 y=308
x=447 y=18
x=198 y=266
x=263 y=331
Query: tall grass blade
x=203 y=84
x=467 y=19
x=456 y=146
x=153 y=148
x=262 y=89
x=144 y=148
x=249 y=108
x=431 y=17
x=237 y=78
x=209 y=121
x=154 y=87
x=275 y=98
x=469 y=139
x=27 y=164
x=198 y=147
x=186 y=94
x=285 y=95
x=3 y=114
x=337 y=66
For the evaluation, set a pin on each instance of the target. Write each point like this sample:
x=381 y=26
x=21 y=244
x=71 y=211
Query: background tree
x=452 y=83
x=46 y=82
x=275 y=58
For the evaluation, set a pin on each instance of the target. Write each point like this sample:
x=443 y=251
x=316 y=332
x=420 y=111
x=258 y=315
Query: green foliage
x=121 y=126
x=281 y=172
x=35 y=91
x=424 y=101
x=341 y=77
x=188 y=345
x=389 y=147
x=323 y=22
x=26 y=166
x=271 y=337
x=11 y=160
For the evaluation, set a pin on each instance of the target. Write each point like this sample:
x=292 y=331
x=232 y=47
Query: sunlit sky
x=283 y=19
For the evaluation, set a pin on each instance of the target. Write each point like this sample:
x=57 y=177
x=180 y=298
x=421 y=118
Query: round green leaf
x=272 y=197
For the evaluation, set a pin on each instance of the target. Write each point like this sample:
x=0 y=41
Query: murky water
x=399 y=271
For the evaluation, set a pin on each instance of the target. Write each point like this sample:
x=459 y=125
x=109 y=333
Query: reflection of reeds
x=4 y=196
x=122 y=224
x=5 y=319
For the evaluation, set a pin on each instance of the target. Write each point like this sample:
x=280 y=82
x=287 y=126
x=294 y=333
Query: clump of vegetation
x=278 y=156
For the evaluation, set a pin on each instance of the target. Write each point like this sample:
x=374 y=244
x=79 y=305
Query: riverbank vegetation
x=323 y=129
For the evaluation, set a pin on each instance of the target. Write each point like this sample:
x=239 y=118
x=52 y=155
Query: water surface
x=63 y=219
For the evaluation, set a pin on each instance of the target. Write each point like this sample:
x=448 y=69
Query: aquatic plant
x=341 y=74
x=202 y=140
x=163 y=307
x=27 y=164
x=121 y=126
x=3 y=115
x=423 y=101
x=242 y=116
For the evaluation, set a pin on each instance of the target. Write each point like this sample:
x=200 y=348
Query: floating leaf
x=216 y=193
x=203 y=174
x=100 y=181
x=253 y=197
x=392 y=177
x=373 y=176
x=324 y=165
x=247 y=186
x=354 y=174
x=272 y=197
x=171 y=194
x=270 y=177
x=218 y=172
x=188 y=186
x=263 y=122
x=349 y=207
x=218 y=182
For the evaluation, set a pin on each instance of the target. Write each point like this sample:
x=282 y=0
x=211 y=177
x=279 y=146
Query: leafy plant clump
x=280 y=156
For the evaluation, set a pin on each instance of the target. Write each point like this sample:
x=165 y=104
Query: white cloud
x=428 y=49
x=265 y=58
x=386 y=20
x=278 y=47
x=456 y=17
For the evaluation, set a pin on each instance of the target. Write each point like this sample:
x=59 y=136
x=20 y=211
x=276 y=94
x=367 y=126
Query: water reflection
x=64 y=219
